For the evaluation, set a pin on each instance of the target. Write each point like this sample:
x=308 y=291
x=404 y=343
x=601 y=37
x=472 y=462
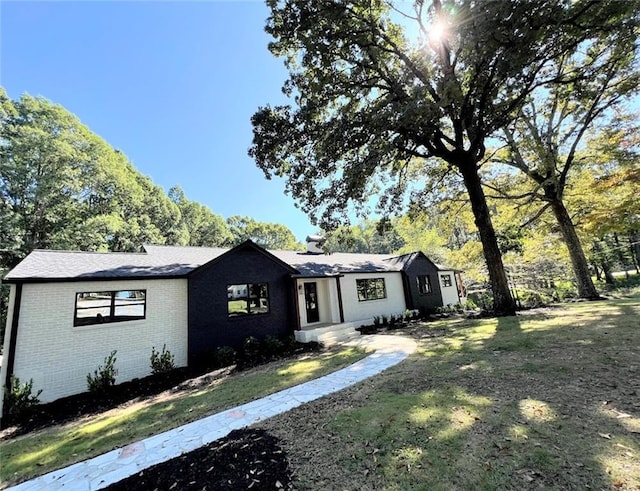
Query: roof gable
x=246 y=245
x=407 y=259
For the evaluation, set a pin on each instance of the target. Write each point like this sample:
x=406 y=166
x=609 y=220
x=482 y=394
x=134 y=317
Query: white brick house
x=69 y=310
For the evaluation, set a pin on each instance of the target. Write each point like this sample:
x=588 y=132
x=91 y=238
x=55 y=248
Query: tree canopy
x=272 y=236
x=63 y=187
x=372 y=106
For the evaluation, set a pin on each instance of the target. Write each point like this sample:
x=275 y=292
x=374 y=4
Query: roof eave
x=67 y=279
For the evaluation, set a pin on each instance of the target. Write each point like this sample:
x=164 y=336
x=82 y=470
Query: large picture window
x=247 y=299
x=109 y=306
x=371 y=289
x=424 y=284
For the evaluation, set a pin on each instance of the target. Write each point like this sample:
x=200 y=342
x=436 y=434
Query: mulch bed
x=73 y=407
x=244 y=459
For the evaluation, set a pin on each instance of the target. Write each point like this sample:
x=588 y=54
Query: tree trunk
x=597 y=270
x=503 y=303
x=621 y=258
x=606 y=268
x=634 y=248
x=586 y=288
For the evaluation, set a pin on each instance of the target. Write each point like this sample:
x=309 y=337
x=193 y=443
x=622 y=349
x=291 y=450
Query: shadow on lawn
x=548 y=399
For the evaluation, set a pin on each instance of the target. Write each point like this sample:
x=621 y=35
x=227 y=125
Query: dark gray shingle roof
x=336 y=263
x=176 y=261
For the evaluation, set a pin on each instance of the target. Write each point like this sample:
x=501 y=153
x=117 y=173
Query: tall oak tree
x=370 y=103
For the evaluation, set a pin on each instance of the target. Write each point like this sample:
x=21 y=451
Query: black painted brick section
x=418 y=267
x=209 y=324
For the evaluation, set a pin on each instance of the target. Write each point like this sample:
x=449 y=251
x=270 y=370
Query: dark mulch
x=72 y=407
x=88 y=403
x=245 y=459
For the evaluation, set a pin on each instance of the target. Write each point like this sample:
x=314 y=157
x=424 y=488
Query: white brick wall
x=355 y=310
x=58 y=356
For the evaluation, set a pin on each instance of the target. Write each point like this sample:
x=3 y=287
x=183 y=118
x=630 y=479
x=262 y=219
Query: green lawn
x=549 y=399
x=40 y=452
x=546 y=400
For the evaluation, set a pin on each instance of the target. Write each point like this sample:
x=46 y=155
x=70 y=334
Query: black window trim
x=366 y=289
x=446 y=278
x=112 y=309
x=427 y=283
x=249 y=313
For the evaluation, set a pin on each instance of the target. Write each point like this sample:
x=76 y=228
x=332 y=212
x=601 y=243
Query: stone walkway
x=101 y=471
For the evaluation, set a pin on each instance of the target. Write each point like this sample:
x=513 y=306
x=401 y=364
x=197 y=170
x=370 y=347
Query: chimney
x=314 y=244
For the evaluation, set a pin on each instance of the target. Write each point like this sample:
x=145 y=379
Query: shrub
x=532 y=298
x=290 y=343
x=392 y=321
x=377 y=320
x=469 y=305
x=272 y=346
x=19 y=397
x=104 y=377
x=225 y=356
x=482 y=298
x=161 y=362
x=251 y=348
x=384 y=320
x=564 y=291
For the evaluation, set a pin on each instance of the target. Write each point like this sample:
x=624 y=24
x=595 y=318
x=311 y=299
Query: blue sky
x=171 y=84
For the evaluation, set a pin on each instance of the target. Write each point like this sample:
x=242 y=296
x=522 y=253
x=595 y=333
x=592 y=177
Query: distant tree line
x=64 y=187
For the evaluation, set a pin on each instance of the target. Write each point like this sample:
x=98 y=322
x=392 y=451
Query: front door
x=311 y=302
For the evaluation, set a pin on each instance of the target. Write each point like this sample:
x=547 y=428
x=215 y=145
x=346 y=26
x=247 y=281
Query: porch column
x=296 y=300
x=340 y=307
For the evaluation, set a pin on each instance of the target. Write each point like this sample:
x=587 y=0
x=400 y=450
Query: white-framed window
x=371 y=289
x=247 y=299
x=109 y=306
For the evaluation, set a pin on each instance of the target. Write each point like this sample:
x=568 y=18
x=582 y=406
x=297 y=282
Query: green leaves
x=268 y=235
x=63 y=187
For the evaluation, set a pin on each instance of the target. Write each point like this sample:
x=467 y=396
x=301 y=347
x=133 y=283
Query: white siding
x=449 y=293
x=58 y=356
x=355 y=310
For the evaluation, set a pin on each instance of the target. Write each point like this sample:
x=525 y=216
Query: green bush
x=564 y=291
x=290 y=343
x=482 y=298
x=225 y=356
x=273 y=347
x=532 y=298
x=377 y=320
x=251 y=349
x=161 y=362
x=19 y=397
x=469 y=305
x=104 y=377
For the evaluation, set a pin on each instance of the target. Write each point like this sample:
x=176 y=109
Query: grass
x=549 y=399
x=545 y=400
x=40 y=452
